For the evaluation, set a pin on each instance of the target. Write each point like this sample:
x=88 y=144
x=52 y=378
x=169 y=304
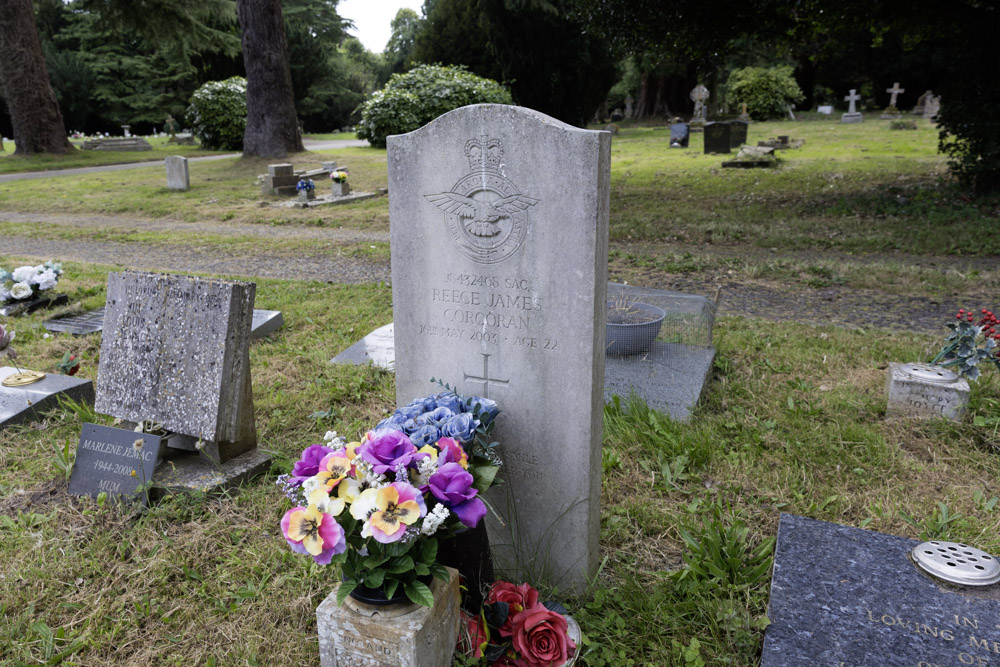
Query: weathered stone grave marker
x=926 y=392
x=113 y=461
x=699 y=95
x=264 y=322
x=499 y=232
x=175 y=351
x=852 y=597
x=852 y=115
x=20 y=404
x=717 y=138
x=177 y=173
x=680 y=135
x=895 y=91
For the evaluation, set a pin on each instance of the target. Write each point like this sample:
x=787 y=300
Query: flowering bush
x=218 y=113
x=379 y=506
x=339 y=175
x=306 y=184
x=962 y=349
x=25 y=282
x=515 y=629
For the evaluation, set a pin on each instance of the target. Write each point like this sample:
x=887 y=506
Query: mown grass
x=793 y=421
x=10 y=163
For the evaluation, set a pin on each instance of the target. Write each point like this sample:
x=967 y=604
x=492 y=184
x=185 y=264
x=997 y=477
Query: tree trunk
x=272 y=125
x=34 y=112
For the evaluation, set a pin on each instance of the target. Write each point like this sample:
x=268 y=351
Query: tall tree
x=34 y=110
x=272 y=124
x=398 y=51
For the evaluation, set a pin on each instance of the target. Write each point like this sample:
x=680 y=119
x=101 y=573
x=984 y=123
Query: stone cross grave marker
x=499 y=234
x=25 y=402
x=852 y=115
x=177 y=173
x=895 y=90
x=175 y=350
x=699 y=95
x=853 y=597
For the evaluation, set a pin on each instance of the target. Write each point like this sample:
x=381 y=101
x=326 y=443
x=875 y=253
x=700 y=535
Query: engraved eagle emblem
x=482 y=215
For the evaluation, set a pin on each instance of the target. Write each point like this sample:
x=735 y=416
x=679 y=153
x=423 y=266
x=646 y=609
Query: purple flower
x=308 y=464
x=452 y=485
x=389 y=449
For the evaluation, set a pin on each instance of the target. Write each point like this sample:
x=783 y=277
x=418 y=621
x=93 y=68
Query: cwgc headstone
x=177 y=173
x=717 y=138
x=175 y=350
x=264 y=322
x=27 y=402
x=852 y=115
x=848 y=597
x=925 y=392
x=680 y=135
x=737 y=133
x=499 y=232
x=114 y=461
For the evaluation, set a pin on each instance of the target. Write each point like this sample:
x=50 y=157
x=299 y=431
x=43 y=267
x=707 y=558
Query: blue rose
x=462 y=427
x=448 y=399
x=425 y=435
x=408 y=412
x=487 y=410
x=425 y=404
x=389 y=424
x=436 y=418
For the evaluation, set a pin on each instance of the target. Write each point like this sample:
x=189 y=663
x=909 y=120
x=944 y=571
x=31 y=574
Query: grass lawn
x=793 y=419
x=10 y=163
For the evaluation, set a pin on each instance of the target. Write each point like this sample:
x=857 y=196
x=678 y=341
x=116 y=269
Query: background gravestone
x=177 y=173
x=264 y=322
x=737 y=133
x=846 y=596
x=717 y=138
x=175 y=350
x=20 y=404
x=499 y=232
x=680 y=134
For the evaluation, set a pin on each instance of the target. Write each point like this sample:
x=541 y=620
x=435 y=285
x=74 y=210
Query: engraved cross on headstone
x=851 y=99
x=895 y=90
x=485 y=379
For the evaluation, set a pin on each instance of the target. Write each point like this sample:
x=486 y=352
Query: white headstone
x=852 y=115
x=895 y=91
x=177 y=173
x=499 y=231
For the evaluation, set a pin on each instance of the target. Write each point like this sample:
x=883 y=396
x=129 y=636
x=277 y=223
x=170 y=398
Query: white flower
x=425 y=468
x=20 y=290
x=4 y=293
x=23 y=273
x=310 y=485
x=47 y=279
x=434 y=520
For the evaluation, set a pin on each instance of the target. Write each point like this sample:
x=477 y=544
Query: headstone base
x=405 y=635
x=852 y=118
x=670 y=378
x=20 y=404
x=188 y=471
x=326 y=200
x=912 y=397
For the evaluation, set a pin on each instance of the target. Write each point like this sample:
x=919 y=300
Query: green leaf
x=419 y=594
x=429 y=552
x=375 y=578
x=399 y=565
x=390 y=587
x=483 y=476
x=345 y=589
x=422 y=570
x=439 y=571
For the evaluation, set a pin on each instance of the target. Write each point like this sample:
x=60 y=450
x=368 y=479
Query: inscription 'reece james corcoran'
x=486 y=215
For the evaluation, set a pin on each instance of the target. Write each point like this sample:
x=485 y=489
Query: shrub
x=218 y=113
x=417 y=97
x=903 y=125
x=767 y=92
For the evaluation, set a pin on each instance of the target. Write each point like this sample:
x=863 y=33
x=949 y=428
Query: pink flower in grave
x=309 y=531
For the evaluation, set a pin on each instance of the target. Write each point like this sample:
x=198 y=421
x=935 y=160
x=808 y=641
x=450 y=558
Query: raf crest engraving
x=486 y=215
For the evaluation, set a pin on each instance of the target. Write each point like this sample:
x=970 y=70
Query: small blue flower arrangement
x=305 y=185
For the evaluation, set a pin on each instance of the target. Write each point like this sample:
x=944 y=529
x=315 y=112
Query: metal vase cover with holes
x=957 y=563
x=929 y=373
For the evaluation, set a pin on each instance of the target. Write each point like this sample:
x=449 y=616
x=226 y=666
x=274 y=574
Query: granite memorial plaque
x=852 y=597
x=680 y=135
x=717 y=138
x=114 y=461
x=377 y=348
x=20 y=404
x=264 y=322
x=176 y=350
x=499 y=234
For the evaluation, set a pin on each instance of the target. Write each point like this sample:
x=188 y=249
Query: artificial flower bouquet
x=973 y=339
x=379 y=507
x=305 y=185
x=26 y=282
x=514 y=628
x=339 y=175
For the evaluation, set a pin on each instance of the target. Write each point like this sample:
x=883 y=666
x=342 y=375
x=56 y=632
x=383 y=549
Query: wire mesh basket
x=639 y=317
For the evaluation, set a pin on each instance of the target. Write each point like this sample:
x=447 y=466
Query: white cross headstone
x=499 y=235
x=895 y=90
x=852 y=115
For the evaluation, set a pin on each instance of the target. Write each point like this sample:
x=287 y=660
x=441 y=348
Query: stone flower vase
x=631 y=329
x=924 y=391
x=340 y=189
x=307 y=195
x=406 y=634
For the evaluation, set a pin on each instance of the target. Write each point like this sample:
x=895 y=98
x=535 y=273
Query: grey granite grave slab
x=377 y=348
x=21 y=404
x=15 y=308
x=327 y=200
x=498 y=221
x=177 y=173
x=264 y=322
x=670 y=378
x=187 y=471
x=852 y=597
x=176 y=350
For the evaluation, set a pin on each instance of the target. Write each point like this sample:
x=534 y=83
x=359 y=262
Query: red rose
x=518 y=598
x=540 y=637
x=476 y=631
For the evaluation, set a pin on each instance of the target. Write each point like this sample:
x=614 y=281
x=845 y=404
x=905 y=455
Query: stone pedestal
x=852 y=118
x=307 y=195
x=924 y=391
x=405 y=635
x=340 y=189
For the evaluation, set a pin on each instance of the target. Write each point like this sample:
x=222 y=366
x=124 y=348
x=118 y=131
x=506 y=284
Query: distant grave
x=852 y=597
x=117 y=144
x=264 y=323
x=852 y=115
x=718 y=138
x=27 y=402
x=46 y=300
x=177 y=173
x=753 y=157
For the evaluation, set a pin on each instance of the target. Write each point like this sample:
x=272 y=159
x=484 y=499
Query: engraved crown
x=484 y=154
